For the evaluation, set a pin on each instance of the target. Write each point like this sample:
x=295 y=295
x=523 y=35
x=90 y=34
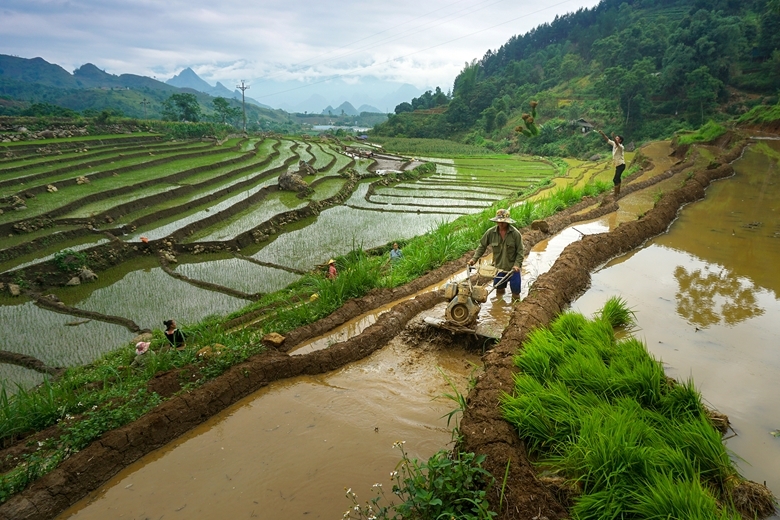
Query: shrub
x=69 y=260
x=448 y=485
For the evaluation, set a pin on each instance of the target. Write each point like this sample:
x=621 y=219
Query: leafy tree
x=403 y=107
x=47 y=109
x=490 y=118
x=501 y=119
x=224 y=111
x=702 y=90
x=181 y=107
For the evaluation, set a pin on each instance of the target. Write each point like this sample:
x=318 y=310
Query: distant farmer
x=395 y=253
x=174 y=336
x=507 y=245
x=332 y=273
x=617 y=158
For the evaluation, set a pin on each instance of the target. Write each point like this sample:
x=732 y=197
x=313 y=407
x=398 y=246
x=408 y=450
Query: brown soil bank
x=104 y=458
x=86 y=470
x=483 y=428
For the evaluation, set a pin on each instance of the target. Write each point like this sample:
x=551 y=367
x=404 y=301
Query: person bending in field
x=174 y=336
x=332 y=271
x=507 y=245
x=617 y=158
x=395 y=253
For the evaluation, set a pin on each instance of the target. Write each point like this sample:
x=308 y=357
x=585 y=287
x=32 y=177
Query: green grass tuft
x=617 y=313
x=602 y=413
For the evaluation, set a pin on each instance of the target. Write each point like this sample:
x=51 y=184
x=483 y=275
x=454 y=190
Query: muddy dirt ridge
x=483 y=429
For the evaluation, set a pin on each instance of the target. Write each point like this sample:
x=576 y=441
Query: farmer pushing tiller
x=465 y=298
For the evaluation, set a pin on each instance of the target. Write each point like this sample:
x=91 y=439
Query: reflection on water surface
x=706 y=299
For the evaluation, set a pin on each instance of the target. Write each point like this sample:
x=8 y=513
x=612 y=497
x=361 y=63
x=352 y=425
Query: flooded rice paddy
x=291 y=449
x=340 y=230
x=707 y=297
x=148 y=297
x=239 y=274
x=193 y=190
x=56 y=339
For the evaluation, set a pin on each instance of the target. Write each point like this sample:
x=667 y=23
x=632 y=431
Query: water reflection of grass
x=322 y=156
x=165 y=227
x=328 y=188
x=431 y=202
x=276 y=203
x=151 y=296
x=303 y=154
x=405 y=190
x=339 y=230
x=14 y=240
x=238 y=274
x=44 y=334
x=41 y=256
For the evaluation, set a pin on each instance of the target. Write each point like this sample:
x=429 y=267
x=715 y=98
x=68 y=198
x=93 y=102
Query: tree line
x=640 y=67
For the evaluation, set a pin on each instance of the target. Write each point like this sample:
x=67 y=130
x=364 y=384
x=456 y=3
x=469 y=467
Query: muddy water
x=290 y=450
x=706 y=297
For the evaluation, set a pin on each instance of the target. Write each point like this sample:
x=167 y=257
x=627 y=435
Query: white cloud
x=425 y=44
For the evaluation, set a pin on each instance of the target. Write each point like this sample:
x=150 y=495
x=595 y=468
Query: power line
x=243 y=87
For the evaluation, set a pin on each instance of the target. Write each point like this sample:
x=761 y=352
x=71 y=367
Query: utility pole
x=243 y=87
x=144 y=103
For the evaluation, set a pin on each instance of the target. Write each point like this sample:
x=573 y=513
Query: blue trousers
x=514 y=281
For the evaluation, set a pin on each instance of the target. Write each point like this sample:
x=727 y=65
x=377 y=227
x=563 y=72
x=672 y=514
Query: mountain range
x=368 y=93
x=36 y=81
x=189 y=79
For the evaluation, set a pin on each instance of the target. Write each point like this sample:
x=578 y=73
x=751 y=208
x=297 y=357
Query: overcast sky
x=410 y=41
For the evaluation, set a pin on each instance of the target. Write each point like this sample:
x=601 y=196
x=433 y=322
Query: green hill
x=36 y=87
x=637 y=67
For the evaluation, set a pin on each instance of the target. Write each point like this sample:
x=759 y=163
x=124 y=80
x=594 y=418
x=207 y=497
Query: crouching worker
x=142 y=354
x=507 y=245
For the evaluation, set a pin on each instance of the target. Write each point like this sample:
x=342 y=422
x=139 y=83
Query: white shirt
x=617 y=153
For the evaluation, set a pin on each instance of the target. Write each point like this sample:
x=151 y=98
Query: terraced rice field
x=124 y=201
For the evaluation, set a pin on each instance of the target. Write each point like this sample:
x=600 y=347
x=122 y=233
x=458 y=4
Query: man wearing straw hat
x=507 y=245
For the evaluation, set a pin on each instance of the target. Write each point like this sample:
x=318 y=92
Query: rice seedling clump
x=600 y=412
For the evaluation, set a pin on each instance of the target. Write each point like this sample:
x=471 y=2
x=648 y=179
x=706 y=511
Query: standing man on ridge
x=507 y=245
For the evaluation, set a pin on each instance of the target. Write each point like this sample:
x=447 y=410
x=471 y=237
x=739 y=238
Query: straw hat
x=331 y=261
x=141 y=347
x=503 y=215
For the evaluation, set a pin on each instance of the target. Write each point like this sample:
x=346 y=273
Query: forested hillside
x=644 y=68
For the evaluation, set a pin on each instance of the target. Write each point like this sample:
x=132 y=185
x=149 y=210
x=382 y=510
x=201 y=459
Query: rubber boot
x=515 y=297
x=617 y=190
